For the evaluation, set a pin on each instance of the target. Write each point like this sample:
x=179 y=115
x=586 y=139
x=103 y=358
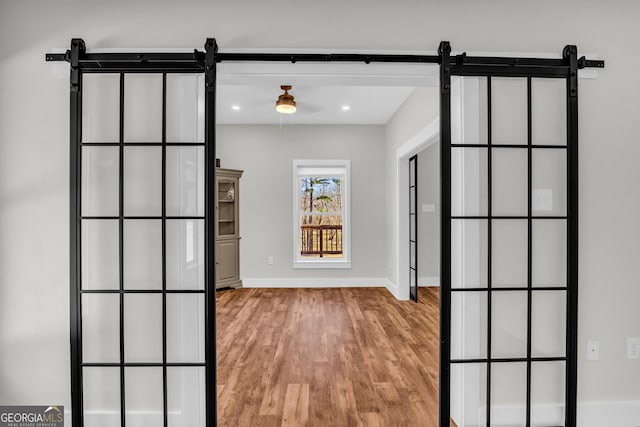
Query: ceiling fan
x=286 y=103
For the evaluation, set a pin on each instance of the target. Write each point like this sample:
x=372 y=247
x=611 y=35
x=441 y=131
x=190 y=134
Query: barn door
x=509 y=240
x=142 y=291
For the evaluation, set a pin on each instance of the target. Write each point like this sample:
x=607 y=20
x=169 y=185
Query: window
x=321 y=214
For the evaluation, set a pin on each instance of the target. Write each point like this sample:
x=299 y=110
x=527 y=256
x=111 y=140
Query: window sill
x=321 y=264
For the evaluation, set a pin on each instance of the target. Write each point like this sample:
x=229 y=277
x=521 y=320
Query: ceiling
x=370 y=93
x=255 y=104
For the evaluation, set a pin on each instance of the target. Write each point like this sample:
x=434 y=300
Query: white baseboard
x=308 y=282
x=138 y=418
x=590 y=414
x=428 y=281
x=609 y=414
x=392 y=288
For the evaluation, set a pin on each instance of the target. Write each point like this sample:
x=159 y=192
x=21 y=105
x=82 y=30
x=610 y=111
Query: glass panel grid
x=144 y=96
x=548 y=393
x=549 y=111
x=524 y=287
x=145 y=376
x=469 y=253
x=509 y=394
x=101 y=396
x=100 y=108
x=469 y=394
x=99 y=188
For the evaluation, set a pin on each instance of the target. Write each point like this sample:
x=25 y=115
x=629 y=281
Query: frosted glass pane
x=412 y=229
x=549 y=182
x=469 y=253
x=185 y=327
x=469 y=394
x=412 y=254
x=143 y=108
x=547 y=394
x=469 y=325
x=548 y=323
x=185 y=254
x=469 y=110
x=100 y=182
x=412 y=172
x=549 y=252
x=143 y=181
x=509 y=324
x=469 y=194
x=185 y=181
x=412 y=201
x=101 y=108
x=509 y=111
x=100 y=254
x=549 y=111
x=508 y=394
x=186 y=396
x=143 y=327
x=101 y=397
x=509 y=253
x=142 y=254
x=101 y=328
x=509 y=182
x=143 y=397
x=185 y=108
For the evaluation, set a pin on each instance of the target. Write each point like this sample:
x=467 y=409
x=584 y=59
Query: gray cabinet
x=227 y=228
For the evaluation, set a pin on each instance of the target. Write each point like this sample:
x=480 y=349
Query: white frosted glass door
x=142 y=247
x=509 y=194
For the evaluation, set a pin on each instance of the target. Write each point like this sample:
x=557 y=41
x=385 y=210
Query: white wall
x=418 y=112
x=429 y=222
x=34 y=146
x=266 y=154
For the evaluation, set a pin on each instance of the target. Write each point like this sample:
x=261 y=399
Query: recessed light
x=235 y=107
x=346 y=108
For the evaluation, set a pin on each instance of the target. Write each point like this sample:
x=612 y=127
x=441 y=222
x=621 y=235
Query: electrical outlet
x=593 y=350
x=633 y=348
x=270 y=260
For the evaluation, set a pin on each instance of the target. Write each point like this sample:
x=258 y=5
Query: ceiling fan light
x=286 y=108
x=286 y=103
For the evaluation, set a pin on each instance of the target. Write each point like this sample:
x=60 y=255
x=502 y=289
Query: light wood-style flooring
x=327 y=357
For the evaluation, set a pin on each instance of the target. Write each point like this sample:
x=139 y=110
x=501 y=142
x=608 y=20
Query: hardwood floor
x=327 y=357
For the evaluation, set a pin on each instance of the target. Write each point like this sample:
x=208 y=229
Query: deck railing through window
x=321 y=239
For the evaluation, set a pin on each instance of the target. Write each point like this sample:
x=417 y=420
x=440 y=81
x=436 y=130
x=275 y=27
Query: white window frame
x=315 y=167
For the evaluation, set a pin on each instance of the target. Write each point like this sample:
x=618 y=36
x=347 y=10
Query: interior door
x=141 y=287
x=509 y=240
x=413 y=228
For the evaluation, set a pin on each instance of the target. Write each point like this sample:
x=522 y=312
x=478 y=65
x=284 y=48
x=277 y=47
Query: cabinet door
x=227 y=260
x=227 y=214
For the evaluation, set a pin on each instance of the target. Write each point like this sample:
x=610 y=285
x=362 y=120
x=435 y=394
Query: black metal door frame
x=413 y=227
x=205 y=62
x=565 y=68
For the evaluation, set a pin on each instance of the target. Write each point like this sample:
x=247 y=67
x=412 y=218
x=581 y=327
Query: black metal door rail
x=83 y=62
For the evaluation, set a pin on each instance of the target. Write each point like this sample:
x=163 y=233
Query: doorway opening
x=266 y=150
